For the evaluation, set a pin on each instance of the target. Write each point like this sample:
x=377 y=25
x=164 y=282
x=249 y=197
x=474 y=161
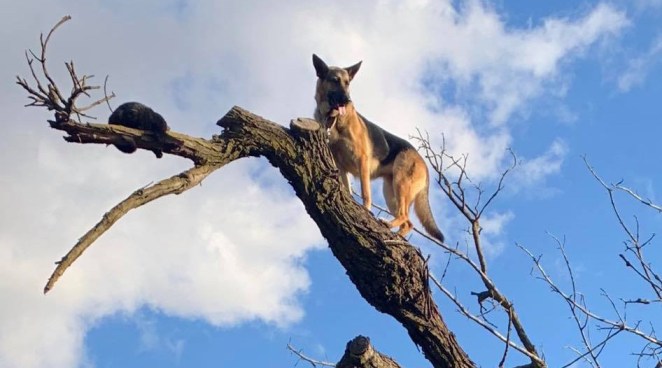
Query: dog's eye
x=335 y=79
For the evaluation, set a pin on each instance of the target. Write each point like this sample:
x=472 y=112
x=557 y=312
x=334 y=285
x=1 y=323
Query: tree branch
x=173 y=185
x=455 y=191
x=620 y=325
x=312 y=361
x=359 y=353
x=635 y=244
x=505 y=339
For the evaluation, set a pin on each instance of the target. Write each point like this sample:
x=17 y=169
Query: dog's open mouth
x=338 y=110
x=338 y=101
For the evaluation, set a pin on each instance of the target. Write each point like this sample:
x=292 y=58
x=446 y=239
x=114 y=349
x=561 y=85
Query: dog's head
x=332 y=94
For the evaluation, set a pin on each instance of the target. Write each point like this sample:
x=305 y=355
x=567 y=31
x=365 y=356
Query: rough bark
x=359 y=353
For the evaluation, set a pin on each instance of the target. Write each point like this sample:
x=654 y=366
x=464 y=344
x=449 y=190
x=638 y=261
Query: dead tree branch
x=491 y=329
x=313 y=362
x=581 y=320
x=578 y=308
x=634 y=245
x=359 y=353
x=457 y=191
x=50 y=96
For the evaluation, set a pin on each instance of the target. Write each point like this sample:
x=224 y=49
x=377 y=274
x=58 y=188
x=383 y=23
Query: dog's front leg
x=364 y=173
x=343 y=176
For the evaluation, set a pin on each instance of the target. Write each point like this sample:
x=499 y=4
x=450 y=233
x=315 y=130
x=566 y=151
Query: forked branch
x=634 y=244
x=51 y=96
x=458 y=189
x=580 y=310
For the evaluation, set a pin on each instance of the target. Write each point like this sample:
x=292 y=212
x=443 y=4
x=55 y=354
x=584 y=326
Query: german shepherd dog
x=367 y=151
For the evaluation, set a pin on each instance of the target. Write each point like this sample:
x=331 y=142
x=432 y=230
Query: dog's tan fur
x=367 y=151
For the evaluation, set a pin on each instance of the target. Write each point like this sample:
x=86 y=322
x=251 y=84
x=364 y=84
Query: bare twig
x=105 y=94
x=580 y=321
x=611 y=324
x=313 y=362
x=645 y=271
x=505 y=350
x=487 y=326
x=598 y=347
x=42 y=60
x=633 y=194
x=500 y=184
x=50 y=96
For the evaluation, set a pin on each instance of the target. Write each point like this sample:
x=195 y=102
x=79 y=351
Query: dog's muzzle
x=337 y=102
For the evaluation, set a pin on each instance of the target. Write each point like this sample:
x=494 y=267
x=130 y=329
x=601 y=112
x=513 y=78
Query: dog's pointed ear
x=320 y=67
x=353 y=69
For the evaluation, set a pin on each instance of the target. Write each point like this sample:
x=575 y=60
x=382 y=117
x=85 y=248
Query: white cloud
x=493 y=226
x=495 y=223
x=230 y=250
x=511 y=66
x=638 y=67
x=530 y=171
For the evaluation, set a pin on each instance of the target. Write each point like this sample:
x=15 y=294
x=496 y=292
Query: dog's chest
x=348 y=148
x=345 y=154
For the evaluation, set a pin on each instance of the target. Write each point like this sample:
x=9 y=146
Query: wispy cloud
x=509 y=67
x=493 y=227
x=638 y=67
x=532 y=171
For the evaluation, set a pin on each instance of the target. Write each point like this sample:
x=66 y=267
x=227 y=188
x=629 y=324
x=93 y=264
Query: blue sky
x=230 y=272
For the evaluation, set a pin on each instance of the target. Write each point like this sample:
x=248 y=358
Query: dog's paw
x=385 y=222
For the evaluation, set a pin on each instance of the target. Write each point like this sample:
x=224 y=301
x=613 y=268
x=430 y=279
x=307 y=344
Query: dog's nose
x=338 y=98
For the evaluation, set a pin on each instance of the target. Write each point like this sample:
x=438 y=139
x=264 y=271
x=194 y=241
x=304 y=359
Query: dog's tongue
x=341 y=110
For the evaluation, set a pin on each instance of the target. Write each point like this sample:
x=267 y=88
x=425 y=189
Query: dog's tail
x=424 y=213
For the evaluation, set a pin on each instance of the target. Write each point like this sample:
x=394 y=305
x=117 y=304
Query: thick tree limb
x=359 y=353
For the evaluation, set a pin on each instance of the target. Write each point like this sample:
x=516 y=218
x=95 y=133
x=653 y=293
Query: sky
x=230 y=272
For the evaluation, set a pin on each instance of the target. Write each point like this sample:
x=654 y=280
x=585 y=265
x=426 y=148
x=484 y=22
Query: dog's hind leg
x=389 y=196
x=401 y=201
x=409 y=178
